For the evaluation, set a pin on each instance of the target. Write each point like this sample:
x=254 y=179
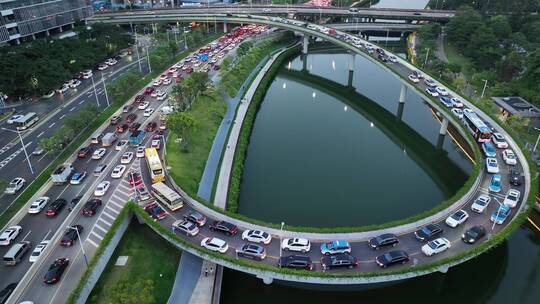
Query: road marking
x=5 y=148
x=113 y=210
x=101 y=219
x=118 y=205
x=52 y=125
x=108 y=215
x=42 y=156
x=64 y=115
x=39 y=135
x=71 y=110
x=82 y=101
x=46 y=235
x=65 y=188
x=92 y=242
x=24 y=238
x=100 y=228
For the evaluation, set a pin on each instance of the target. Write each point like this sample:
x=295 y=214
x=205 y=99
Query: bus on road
x=480 y=131
x=167 y=196
x=154 y=164
x=26 y=121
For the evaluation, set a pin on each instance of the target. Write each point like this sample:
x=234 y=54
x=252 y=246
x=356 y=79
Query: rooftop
x=516 y=105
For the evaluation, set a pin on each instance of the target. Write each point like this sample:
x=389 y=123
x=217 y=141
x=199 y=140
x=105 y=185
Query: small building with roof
x=515 y=105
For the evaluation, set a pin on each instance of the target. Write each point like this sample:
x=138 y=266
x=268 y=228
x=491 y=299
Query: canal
x=324 y=154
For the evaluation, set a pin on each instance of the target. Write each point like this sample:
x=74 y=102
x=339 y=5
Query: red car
x=127 y=108
x=122 y=128
x=84 y=152
x=149 y=90
x=155 y=211
x=139 y=98
x=131 y=118
x=189 y=70
x=134 y=179
x=150 y=127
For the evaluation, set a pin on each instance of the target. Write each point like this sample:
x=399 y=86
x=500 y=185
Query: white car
x=457 y=102
x=126 y=158
x=257 y=236
x=38 y=205
x=161 y=95
x=15 y=185
x=430 y=82
x=392 y=58
x=143 y=105
x=196 y=63
x=38 y=151
x=87 y=74
x=442 y=91
x=140 y=152
x=111 y=62
x=118 y=171
x=296 y=244
x=166 y=81
x=457 y=112
x=13 y=118
x=102 y=188
x=9 y=235
x=148 y=112
x=156 y=83
x=63 y=89
x=436 y=246
x=99 y=153
x=103 y=66
x=432 y=92
x=414 y=79
x=162 y=77
x=156 y=143
x=456 y=219
x=215 y=244
x=154 y=93
x=499 y=141
x=512 y=198
x=37 y=251
x=509 y=157
x=491 y=165
x=172 y=69
x=481 y=203
x=121 y=144
x=176 y=75
x=74 y=83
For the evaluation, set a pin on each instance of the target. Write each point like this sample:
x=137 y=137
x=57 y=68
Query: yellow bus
x=154 y=164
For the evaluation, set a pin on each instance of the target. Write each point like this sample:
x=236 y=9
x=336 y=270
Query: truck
x=62 y=174
x=136 y=137
x=108 y=139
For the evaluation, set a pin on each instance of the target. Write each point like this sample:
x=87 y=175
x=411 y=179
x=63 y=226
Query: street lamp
x=498 y=211
x=425 y=61
x=281 y=238
x=95 y=90
x=80 y=243
x=148 y=59
x=537 y=139
x=105 y=89
x=185 y=39
x=484 y=89
x=24 y=148
x=136 y=48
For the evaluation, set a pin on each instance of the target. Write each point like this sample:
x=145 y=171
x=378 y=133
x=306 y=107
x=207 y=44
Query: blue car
x=446 y=101
x=77 y=177
x=335 y=247
x=495 y=184
x=489 y=149
x=499 y=216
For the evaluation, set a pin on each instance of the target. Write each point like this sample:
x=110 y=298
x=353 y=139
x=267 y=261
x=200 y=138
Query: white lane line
x=82 y=101
x=96 y=235
x=120 y=199
x=46 y=235
x=108 y=215
x=65 y=188
x=113 y=210
x=92 y=242
x=100 y=228
x=42 y=156
x=64 y=115
x=104 y=221
x=24 y=238
x=116 y=204
x=39 y=135
x=52 y=125
x=71 y=110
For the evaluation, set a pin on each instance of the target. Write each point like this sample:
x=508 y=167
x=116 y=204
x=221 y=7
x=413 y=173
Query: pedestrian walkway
x=205 y=285
x=187 y=277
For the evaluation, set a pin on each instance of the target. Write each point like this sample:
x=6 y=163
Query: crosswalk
x=121 y=195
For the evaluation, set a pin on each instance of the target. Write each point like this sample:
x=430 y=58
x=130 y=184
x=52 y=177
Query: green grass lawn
x=149 y=257
x=187 y=167
x=455 y=57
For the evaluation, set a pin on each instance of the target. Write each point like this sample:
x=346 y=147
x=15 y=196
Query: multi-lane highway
x=52 y=112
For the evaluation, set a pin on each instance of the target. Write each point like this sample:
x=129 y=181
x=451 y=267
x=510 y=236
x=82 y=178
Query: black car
x=383 y=240
x=196 y=218
x=339 y=260
x=515 y=178
x=428 y=232
x=225 y=227
x=6 y=292
x=383 y=57
x=296 y=262
x=55 y=271
x=91 y=207
x=473 y=234
x=251 y=251
x=55 y=207
x=74 y=202
x=84 y=152
x=71 y=235
x=391 y=258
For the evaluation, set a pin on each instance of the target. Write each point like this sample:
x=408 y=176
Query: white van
x=16 y=253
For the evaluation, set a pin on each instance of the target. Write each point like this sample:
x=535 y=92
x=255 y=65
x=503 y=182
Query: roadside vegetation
x=40 y=66
x=147 y=277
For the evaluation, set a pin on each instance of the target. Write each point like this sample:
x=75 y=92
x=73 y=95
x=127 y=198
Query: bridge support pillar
x=402 y=94
x=351 y=70
x=266 y=280
x=224 y=27
x=444 y=126
x=305 y=44
x=440 y=141
x=303 y=57
x=400 y=108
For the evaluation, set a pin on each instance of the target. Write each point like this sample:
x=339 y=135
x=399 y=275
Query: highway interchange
x=119 y=193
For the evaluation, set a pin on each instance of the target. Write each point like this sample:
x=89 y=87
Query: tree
x=463 y=25
x=129 y=292
x=243 y=48
x=500 y=26
x=182 y=123
x=483 y=48
x=510 y=66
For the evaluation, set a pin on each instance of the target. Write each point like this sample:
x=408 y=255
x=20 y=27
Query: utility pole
x=105 y=89
x=484 y=89
x=95 y=90
x=427 y=53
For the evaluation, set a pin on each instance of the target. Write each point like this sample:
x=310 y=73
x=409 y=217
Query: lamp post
x=80 y=243
x=24 y=148
x=281 y=238
x=498 y=211
x=537 y=139
x=425 y=61
x=105 y=89
x=137 y=50
x=185 y=39
x=95 y=90
x=484 y=89
x=148 y=59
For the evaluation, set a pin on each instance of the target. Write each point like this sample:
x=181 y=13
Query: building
x=25 y=19
x=515 y=105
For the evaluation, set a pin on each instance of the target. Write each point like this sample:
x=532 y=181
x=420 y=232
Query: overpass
x=376 y=27
x=301 y=11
